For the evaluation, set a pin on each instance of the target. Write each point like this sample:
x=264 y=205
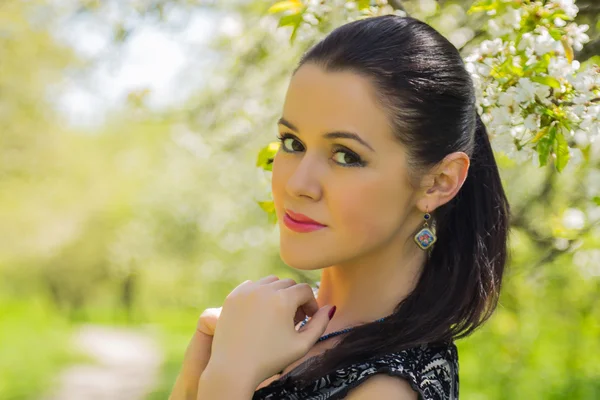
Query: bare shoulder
x=382 y=386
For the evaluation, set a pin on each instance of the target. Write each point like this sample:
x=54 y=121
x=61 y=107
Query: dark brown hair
x=421 y=81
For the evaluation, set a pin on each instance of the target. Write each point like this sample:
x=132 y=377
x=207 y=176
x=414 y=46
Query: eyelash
x=357 y=164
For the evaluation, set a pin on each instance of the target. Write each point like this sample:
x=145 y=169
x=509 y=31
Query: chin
x=303 y=258
x=303 y=262
x=308 y=251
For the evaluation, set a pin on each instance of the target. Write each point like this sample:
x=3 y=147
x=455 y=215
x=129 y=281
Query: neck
x=370 y=287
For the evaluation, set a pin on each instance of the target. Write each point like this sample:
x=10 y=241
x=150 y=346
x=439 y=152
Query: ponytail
x=472 y=231
x=460 y=284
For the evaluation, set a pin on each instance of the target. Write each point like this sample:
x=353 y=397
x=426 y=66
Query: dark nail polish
x=331 y=312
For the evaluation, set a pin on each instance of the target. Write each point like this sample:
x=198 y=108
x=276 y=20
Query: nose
x=305 y=180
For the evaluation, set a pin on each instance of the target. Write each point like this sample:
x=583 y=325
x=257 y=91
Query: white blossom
x=561 y=67
x=500 y=116
x=559 y=22
x=544 y=42
x=503 y=108
x=527 y=90
x=576 y=36
x=505 y=23
x=585 y=81
x=568 y=7
x=491 y=47
x=508 y=98
x=532 y=122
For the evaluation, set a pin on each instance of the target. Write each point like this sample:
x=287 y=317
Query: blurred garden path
x=127 y=366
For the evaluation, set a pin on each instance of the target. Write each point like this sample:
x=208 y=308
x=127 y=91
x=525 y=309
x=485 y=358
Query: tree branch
x=554 y=253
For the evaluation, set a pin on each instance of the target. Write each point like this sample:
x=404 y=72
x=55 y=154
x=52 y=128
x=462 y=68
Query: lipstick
x=300 y=223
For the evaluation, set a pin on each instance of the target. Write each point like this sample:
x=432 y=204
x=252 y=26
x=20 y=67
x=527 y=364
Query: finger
x=240 y=287
x=267 y=279
x=302 y=296
x=300 y=316
x=208 y=320
x=211 y=313
x=314 y=329
x=282 y=283
x=301 y=313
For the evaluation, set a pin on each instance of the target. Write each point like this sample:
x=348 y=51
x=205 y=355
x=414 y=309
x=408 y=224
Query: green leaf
x=294 y=33
x=568 y=49
x=544 y=145
x=546 y=80
x=543 y=149
x=538 y=136
x=544 y=62
x=567 y=124
x=561 y=151
x=561 y=14
x=500 y=71
x=293 y=20
x=550 y=113
x=280 y=6
x=269 y=208
x=290 y=20
x=483 y=5
x=515 y=69
x=556 y=33
x=362 y=4
x=266 y=155
x=596 y=200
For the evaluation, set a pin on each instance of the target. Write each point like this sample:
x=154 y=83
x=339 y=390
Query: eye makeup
x=357 y=163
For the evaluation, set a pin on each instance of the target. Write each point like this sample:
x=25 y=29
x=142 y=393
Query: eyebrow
x=330 y=135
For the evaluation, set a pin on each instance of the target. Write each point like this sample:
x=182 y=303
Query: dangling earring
x=425 y=238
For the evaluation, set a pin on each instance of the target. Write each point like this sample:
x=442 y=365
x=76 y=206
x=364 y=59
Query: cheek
x=370 y=211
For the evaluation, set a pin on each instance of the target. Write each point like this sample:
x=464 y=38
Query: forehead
x=319 y=101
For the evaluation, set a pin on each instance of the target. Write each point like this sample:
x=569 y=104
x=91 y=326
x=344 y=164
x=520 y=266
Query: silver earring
x=425 y=238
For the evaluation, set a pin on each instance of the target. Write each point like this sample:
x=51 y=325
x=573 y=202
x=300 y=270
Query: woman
x=383 y=152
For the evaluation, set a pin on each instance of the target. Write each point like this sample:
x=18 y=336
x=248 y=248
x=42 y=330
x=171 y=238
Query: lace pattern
x=432 y=371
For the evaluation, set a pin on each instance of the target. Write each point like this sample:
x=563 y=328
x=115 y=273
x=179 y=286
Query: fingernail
x=331 y=312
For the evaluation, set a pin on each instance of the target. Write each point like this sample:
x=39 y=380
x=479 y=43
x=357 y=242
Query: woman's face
x=361 y=192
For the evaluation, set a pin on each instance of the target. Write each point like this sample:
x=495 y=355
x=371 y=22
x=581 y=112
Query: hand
x=255 y=334
x=208 y=321
x=196 y=356
x=209 y=317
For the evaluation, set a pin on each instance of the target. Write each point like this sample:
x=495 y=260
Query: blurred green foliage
x=35 y=343
x=156 y=215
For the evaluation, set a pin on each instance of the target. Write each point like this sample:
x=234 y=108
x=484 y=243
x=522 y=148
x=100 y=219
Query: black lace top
x=432 y=371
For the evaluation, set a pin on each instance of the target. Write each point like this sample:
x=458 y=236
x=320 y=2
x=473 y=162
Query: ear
x=444 y=181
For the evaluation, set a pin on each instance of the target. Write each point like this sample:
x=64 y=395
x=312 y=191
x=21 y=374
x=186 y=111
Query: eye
x=287 y=138
x=348 y=158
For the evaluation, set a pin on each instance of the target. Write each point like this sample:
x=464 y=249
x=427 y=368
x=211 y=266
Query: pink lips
x=300 y=222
